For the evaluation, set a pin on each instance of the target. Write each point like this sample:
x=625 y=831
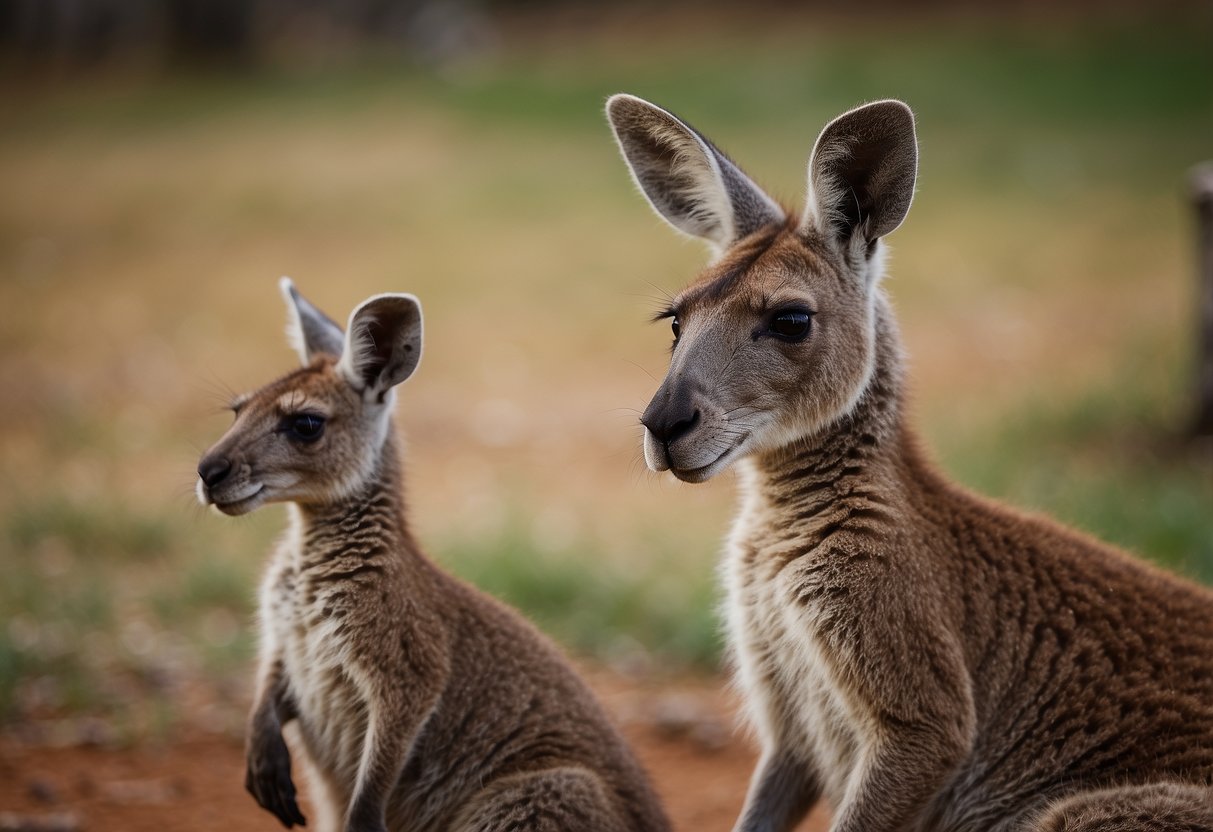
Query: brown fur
x=420 y=703
x=921 y=657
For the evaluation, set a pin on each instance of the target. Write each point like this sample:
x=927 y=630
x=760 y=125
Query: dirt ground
x=684 y=734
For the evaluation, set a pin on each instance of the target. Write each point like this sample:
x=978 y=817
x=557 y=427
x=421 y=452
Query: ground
x=684 y=734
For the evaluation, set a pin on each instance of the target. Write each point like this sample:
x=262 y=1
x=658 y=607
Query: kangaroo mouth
x=239 y=505
x=706 y=472
x=661 y=457
x=695 y=475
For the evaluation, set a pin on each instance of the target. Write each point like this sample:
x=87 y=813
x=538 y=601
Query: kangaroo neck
x=367 y=522
x=849 y=458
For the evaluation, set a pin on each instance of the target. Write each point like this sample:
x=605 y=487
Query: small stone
x=56 y=822
x=43 y=791
x=679 y=716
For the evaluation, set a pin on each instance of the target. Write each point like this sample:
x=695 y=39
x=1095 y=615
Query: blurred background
x=163 y=162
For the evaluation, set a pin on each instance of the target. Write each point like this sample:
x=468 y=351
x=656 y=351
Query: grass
x=660 y=617
x=1108 y=460
x=104 y=606
x=1042 y=282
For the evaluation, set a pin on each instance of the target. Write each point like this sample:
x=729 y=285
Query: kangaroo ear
x=690 y=183
x=383 y=345
x=309 y=331
x=861 y=173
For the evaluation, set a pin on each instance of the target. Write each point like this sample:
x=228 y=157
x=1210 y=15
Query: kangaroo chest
x=791 y=677
x=313 y=622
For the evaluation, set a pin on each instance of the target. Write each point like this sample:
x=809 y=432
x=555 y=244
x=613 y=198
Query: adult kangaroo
x=923 y=658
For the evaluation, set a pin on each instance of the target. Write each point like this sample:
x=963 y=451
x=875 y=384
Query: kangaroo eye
x=306 y=427
x=791 y=324
x=676 y=328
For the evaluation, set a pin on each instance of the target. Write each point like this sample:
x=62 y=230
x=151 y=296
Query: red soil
x=684 y=735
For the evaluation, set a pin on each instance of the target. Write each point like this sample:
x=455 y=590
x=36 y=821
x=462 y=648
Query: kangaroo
x=920 y=657
x=421 y=703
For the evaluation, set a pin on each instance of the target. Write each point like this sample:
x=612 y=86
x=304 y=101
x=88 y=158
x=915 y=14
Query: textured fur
x=920 y=657
x=420 y=704
x=689 y=182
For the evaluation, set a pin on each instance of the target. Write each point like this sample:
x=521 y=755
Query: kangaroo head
x=315 y=435
x=775 y=340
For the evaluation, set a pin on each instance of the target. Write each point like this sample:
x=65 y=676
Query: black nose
x=670 y=420
x=213 y=470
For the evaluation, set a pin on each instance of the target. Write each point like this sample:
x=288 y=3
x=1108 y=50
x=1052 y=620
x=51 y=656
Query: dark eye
x=676 y=328
x=791 y=324
x=306 y=427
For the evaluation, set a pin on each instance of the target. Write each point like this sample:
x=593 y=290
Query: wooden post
x=1202 y=197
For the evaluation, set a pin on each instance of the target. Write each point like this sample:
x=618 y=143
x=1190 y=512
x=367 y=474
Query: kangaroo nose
x=213 y=470
x=668 y=424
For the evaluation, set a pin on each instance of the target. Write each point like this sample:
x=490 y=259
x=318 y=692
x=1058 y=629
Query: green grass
x=1112 y=460
x=103 y=606
x=86 y=532
x=662 y=613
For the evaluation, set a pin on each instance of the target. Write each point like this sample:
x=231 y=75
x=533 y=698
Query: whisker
x=736 y=349
x=664 y=295
x=216 y=389
x=747 y=405
x=641 y=368
x=660 y=298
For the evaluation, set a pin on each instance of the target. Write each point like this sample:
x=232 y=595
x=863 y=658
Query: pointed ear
x=383 y=344
x=861 y=174
x=690 y=183
x=309 y=331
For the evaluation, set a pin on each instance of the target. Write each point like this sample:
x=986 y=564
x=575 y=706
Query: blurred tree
x=211 y=31
x=237 y=32
x=1202 y=199
x=74 y=32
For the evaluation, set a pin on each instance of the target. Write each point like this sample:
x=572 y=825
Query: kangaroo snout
x=213 y=469
x=669 y=423
x=685 y=432
x=671 y=416
x=224 y=481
